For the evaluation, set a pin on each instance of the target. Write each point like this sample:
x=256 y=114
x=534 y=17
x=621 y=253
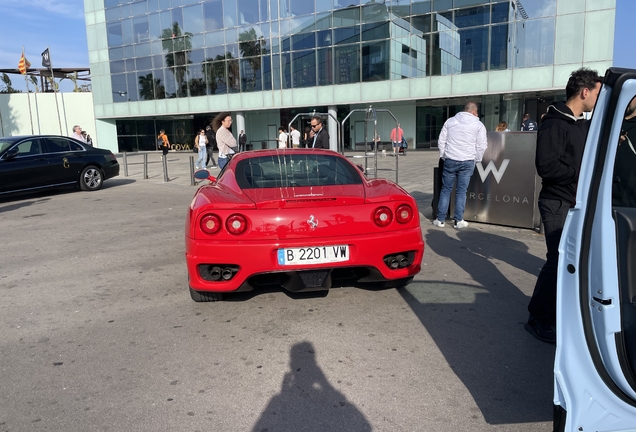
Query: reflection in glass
x=215 y=75
x=347 y=64
x=422 y=23
x=213 y=15
x=374 y=12
x=160 y=90
x=536 y=9
x=304 y=69
x=114 y=34
x=133 y=91
x=233 y=76
x=325 y=66
x=474 y=49
x=118 y=84
x=196 y=83
x=285 y=66
x=193 y=19
x=229 y=14
x=267 y=72
x=301 y=7
x=143 y=63
x=247 y=12
x=471 y=17
x=127 y=31
x=177 y=47
x=346 y=17
x=346 y=35
x=535 y=43
x=502 y=12
x=375 y=31
x=499 y=47
x=251 y=74
x=303 y=41
x=375 y=61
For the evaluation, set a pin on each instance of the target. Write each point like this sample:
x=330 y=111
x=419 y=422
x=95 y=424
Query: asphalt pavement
x=98 y=332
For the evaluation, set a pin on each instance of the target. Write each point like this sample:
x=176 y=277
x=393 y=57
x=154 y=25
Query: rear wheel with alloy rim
x=91 y=178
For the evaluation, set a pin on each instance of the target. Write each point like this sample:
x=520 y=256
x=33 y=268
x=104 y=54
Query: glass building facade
x=158 y=63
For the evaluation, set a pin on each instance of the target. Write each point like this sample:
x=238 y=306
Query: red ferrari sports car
x=305 y=220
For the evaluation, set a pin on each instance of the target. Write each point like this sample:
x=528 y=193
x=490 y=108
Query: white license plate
x=313 y=255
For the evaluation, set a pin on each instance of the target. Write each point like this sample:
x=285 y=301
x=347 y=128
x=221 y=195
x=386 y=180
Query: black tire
x=201 y=296
x=397 y=283
x=91 y=178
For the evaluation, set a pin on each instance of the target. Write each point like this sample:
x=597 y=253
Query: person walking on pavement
x=164 y=144
x=282 y=138
x=397 y=134
x=200 y=142
x=224 y=138
x=295 y=136
x=528 y=125
x=462 y=143
x=560 y=143
x=210 y=147
x=242 y=139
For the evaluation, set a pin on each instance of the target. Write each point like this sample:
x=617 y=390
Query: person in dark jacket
x=528 y=125
x=321 y=137
x=242 y=140
x=209 y=133
x=560 y=144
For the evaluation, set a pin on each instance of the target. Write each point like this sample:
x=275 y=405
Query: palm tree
x=214 y=72
x=8 y=85
x=151 y=88
x=73 y=77
x=178 y=47
x=252 y=47
x=34 y=80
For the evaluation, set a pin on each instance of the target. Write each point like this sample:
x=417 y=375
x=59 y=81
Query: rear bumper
x=250 y=259
x=111 y=170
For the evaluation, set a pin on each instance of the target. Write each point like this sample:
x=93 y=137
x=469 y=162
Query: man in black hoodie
x=560 y=144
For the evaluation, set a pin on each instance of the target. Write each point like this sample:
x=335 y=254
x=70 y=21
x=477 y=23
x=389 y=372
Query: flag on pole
x=23 y=64
x=46 y=59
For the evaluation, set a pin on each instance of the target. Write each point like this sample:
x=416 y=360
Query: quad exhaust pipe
x=218 y=273
x=398 y=261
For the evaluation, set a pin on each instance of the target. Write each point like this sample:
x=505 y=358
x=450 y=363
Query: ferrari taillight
x=210 y=224
x=236 y=224
x=404 y=214
x=382 y=216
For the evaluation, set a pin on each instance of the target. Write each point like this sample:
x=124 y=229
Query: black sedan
x=37 y=162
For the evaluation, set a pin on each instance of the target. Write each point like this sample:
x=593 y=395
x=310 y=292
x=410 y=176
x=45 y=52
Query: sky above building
x=59 y=25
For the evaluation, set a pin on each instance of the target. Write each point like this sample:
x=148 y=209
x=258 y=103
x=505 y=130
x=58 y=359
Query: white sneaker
x=461 y=224
x=438 y=223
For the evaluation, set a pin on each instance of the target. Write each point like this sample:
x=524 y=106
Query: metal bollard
x=145 y=165
x=192 y=179
x=125 y=165
x=165 y=169
x=396 y=169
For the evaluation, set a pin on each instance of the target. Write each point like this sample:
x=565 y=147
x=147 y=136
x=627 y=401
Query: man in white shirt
x=77 y=134
x=462 y=143
x=295 y=136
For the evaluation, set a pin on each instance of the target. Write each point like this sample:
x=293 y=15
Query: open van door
x=595 y=364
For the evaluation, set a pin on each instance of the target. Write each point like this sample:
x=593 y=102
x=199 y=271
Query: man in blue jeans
x=462 y=142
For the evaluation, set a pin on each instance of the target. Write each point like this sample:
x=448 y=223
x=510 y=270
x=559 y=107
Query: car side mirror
x=11 y=153
x=204 y=175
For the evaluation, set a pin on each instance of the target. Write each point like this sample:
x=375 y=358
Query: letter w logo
x=497 y=173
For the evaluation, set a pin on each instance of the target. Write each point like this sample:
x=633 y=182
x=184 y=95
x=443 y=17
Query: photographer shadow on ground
x=479 y=327
x=307 y=401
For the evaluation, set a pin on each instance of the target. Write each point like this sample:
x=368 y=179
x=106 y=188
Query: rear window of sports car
x=295 y=170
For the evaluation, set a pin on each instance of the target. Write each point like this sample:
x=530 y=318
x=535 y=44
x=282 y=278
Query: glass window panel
x=285 y=44
x=273 y=10
x=569 y=43
x=285 y=64
x=154 y=26
x=139 y=8
x=283 y=8
x=304 y=66
x=339 y=4
x=420 y=7
x=158 y=61
x=232 y=51
x=114 y=34
x=250 y=33
x=265 y=29
x=247 y=12
x=116 y=53
x=129 y=51
x=140 y=29
x=323 y=38
x=229 y=14
x=213 y=15
x=111 y=3
x=347 y=64
x=160 y=88
x=133 y=91
x=233 y=76
x=193 y=19
x=130 y=65
x=535 y=43
x=231 y=36
x=113 y=14
x=125 y=11
x=198 y=41
x=441 y=5
x=346 y=17
x=323 y=21
x=303 y=24
x=500 y=48
x=324 y=5
x=472 y=17
x=197 y=56
x=127 y=31
x=267 y=72
x=445 y=53
x=156 y=47
x=346 y=35
x=117 y=67
x=166 y=21
x=188 y=2
x=325 y=66
x=153 y=6
x=250 y=46
x=375 y=61
x=146 y=85
x=419 y=56
x=216 y=82
x=422 y=23
x=215 y=38
x=301 y=7
x=441 y=23
x=462 y=3
x=276 y=72
x=502 y=12
x=536 y=9
x=251 y=74
x=373 y=12
x=143 y=63
x=215 y=53
x=303 y=41
x=264 y=10
x=196 y=83
x=164 y=4
x=177 y=19
x=169 y=83
x=119 y=86
x=474 y=49
x=375 y=31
